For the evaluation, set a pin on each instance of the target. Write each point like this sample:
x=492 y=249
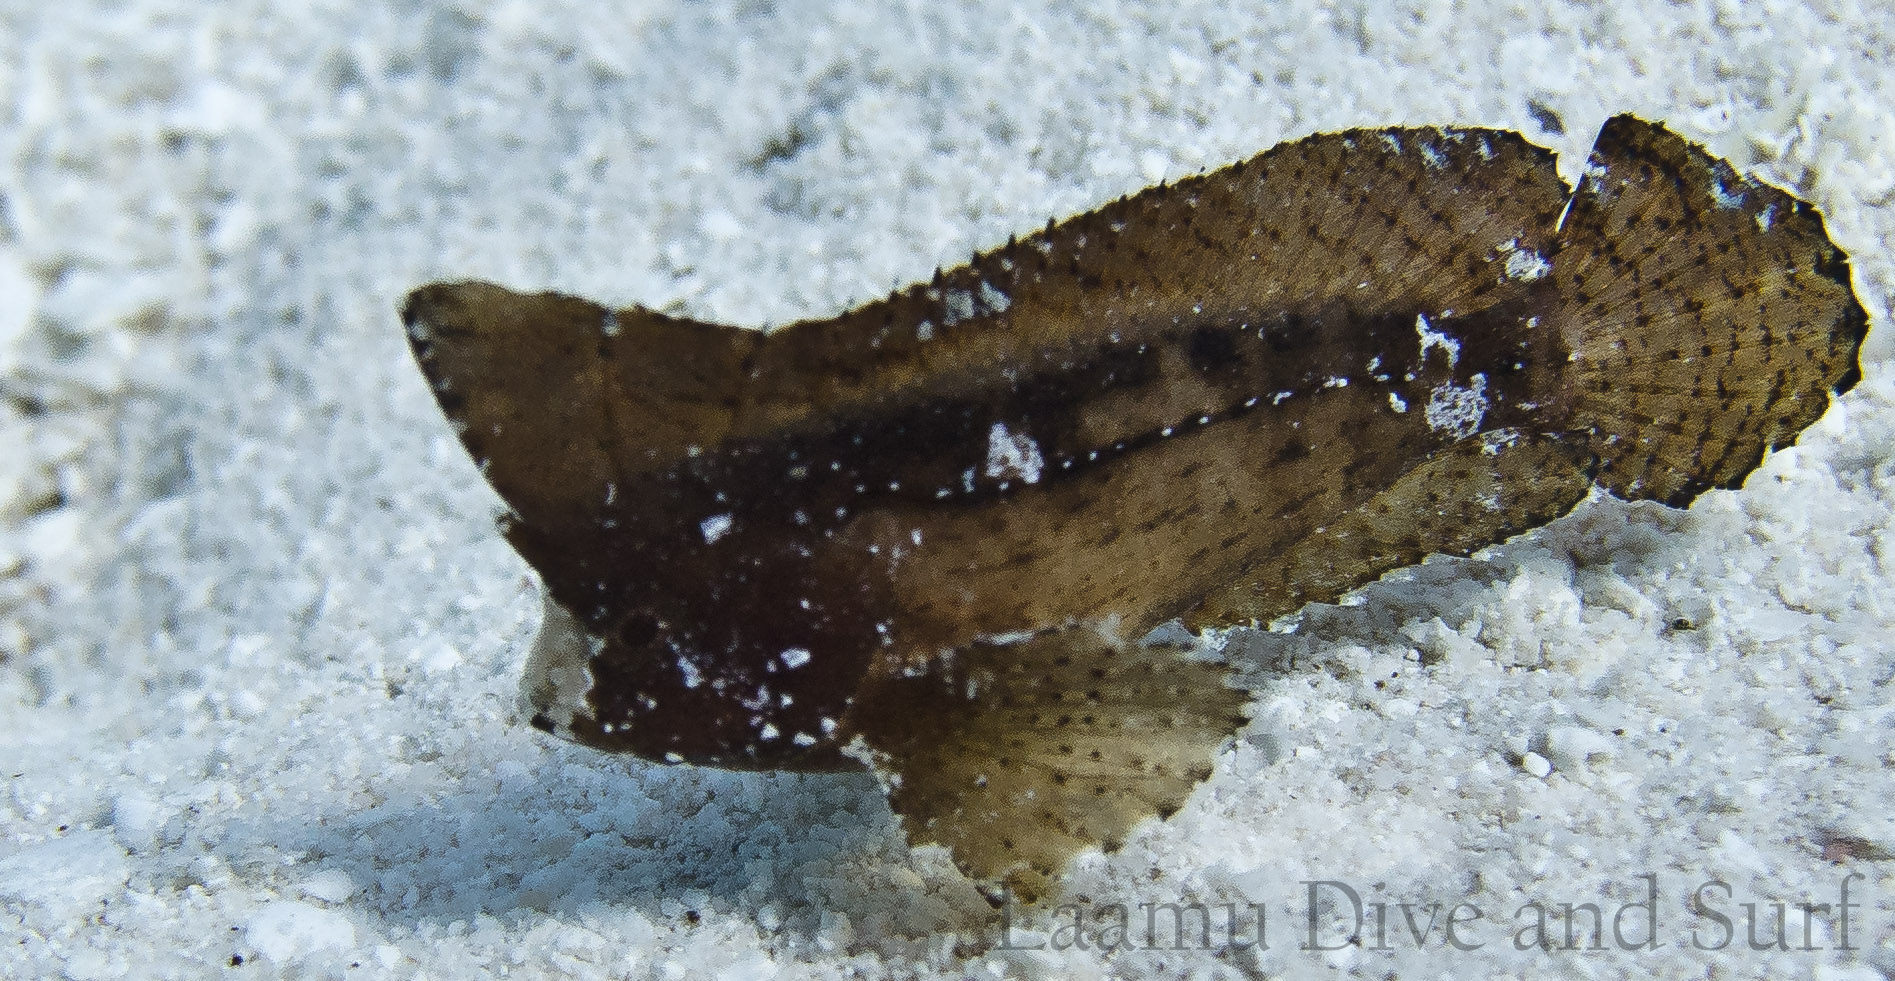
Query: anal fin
x=1017 y=756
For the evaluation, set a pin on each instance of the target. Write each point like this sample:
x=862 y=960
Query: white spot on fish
x=1723 y=195
x=714 y=527
x=994 y=300
x=1766 y=217
x=924 y=331
x=794 y=657
x=1433 y=157
x=609 y=324
x=1010 y=455
x=1434 y=338
x=1395 y=402
x=956 y=306
x=1522 y=263
x=1500 y=439
x=1457 y=410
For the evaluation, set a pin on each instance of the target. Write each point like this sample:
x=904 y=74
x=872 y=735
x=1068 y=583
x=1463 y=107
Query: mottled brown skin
x=928 y=533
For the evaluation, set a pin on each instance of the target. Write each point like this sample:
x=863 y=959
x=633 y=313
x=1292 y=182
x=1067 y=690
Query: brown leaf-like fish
x=927 y=535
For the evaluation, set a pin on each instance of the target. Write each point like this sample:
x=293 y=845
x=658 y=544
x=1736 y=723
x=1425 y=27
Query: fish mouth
x=558 y=676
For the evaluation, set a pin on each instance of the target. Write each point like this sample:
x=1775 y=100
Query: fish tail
x=1708 y=317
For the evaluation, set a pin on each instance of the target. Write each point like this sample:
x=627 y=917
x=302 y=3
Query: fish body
x=927 y=536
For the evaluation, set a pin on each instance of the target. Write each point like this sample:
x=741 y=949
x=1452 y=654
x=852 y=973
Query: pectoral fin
x=1016 y=756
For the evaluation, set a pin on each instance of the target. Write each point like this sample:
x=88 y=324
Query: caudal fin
x=1708 y=315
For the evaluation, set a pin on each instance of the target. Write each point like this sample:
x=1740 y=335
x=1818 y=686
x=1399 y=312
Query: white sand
x=258 y=638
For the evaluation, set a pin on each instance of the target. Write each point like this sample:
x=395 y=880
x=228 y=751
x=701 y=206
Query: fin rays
x=1018 y=756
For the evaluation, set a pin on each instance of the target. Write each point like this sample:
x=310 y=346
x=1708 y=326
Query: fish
x=932 y=536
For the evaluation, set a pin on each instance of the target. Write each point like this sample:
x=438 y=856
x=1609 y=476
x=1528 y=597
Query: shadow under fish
x=926 y=536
